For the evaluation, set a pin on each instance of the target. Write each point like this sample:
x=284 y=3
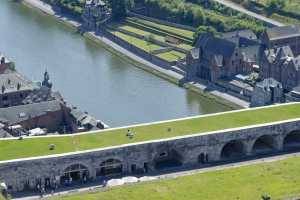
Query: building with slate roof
x=282 y=36
x=26 y=106
x=48 y=115
x=281 y=64
x=14 y=88
x=216 y=58
x=267 y=92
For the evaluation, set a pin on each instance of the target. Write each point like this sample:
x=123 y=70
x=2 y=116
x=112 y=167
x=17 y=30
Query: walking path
x=167 y=175
x=237 y=7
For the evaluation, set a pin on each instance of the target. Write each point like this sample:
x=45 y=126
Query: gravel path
x=239 y=8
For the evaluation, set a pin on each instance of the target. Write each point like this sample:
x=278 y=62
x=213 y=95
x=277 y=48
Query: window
x=5 y=98
x=133 y=168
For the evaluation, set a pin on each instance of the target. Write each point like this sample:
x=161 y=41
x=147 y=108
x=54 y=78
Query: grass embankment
x=157 y=32
x=279 y=180
x=164 y=28
x=170 y=56
x=40 y=146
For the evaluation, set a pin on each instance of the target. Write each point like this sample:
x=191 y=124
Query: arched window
x=264 y=144
x=232 y=150
x=75 y=172
x=292 y=140
x=110 y=167
x=167 y=159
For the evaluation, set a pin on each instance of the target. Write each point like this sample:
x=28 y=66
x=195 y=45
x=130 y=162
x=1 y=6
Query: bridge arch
x=292 y=140
x=168 y=159
x=75 y=172
x=110 y=167
x=233 y=149
x=264 y=144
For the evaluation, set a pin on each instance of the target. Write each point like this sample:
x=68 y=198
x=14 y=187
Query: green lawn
x=172 y=29
x=171 y=55
x=148 y=47
x=280 y=180
x=14 y=149
x=127 y=27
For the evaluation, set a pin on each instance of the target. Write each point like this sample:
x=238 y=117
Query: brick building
x=282 y=36
x=281 y=64
x=216 y=58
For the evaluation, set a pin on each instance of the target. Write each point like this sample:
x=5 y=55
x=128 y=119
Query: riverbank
x=220 y=97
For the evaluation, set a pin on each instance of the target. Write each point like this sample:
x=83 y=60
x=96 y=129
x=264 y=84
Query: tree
x=204 y=29
x=118 y=8
x=275 y=5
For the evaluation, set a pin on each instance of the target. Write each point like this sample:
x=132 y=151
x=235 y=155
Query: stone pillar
x=278 y=142
x=248 y=145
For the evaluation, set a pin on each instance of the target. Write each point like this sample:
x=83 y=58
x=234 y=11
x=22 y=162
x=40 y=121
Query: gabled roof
x=13 y=82
x=281 y=53
x=17 y=114
x=211 y=45
x=276 y=33
x=247 y=34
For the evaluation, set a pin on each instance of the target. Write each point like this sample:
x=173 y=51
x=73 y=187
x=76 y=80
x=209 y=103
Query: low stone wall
x=139 y=52
x=194 y=150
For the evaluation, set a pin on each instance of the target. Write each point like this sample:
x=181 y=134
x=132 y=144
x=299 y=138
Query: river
x=89 y=76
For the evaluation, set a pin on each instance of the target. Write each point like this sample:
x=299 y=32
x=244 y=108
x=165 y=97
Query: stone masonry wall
x=16 y=174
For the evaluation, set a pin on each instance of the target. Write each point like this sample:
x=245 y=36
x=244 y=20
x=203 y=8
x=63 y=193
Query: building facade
x=282 y=36
x=216 y=58
x=95 y=12
x=281 y=64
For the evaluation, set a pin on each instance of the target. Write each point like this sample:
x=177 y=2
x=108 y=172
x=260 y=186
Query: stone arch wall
x=264 y=144
x=291 y=140
x=232 y=149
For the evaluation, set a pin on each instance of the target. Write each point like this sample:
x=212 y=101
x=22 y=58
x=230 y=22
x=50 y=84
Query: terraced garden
x=151 y=37
x=30 y=147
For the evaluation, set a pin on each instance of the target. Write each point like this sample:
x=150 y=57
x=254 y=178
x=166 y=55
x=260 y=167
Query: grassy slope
x=148 y=46
x=40 y=146
x=163 y=27
x=280 y=179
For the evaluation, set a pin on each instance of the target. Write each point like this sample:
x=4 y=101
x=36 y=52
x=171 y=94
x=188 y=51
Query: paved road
x=168 y=175
x=239 y=8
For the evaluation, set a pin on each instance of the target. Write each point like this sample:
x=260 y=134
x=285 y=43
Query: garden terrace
x=39 y=146
x=182 y=34
x=148 y=46
x=145 y=32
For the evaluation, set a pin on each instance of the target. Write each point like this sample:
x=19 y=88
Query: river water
x=89 y=76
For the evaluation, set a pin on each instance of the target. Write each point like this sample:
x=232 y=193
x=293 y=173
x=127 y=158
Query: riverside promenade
x=170 y=75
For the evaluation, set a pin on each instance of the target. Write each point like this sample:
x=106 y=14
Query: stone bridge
x=139 y=158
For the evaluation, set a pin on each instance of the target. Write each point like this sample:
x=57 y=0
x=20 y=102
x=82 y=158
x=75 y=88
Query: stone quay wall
x=139 y=52
x=187 y=151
